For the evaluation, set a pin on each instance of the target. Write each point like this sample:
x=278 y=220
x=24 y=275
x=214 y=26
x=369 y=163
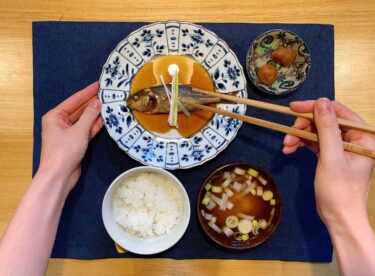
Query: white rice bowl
x=146 y=210
x=147 y=205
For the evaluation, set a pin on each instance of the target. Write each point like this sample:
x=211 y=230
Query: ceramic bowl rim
x=112 y=228
x=263 y=89
x=201 y=221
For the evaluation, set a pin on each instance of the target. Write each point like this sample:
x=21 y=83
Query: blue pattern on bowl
x=149 y=41
x=260 y=52
x=130 y=55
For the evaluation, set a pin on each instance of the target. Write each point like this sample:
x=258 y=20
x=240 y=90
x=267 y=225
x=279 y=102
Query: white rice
x=147 y=205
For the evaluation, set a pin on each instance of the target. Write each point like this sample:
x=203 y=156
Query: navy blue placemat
x=69 y=55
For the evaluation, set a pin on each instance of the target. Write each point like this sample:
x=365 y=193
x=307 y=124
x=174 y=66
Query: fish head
x=136 y=102
x=142 y=102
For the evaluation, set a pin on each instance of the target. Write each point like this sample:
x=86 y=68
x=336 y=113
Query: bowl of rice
x=146 y=210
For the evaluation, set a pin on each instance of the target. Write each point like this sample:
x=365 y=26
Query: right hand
x=342 y=178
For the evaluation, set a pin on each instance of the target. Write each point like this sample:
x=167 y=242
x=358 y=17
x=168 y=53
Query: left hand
x=66 y=132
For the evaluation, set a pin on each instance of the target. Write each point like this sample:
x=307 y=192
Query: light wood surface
x=354 y=79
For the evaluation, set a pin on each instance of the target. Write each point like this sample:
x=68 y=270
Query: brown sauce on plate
x=191 y=73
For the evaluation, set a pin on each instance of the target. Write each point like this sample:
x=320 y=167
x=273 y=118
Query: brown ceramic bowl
x=258 y=208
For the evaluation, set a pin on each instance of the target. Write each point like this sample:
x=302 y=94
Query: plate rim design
x=166 y=141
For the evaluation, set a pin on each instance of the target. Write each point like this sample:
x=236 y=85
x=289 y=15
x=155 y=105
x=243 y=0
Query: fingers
x=344 y=112
x=303 y=107
x=96 y=127
x=89 y=117
x=288 y=149
x=292 y=148
x=341 y=110
x=290 y=140
x=79 y=98
x=77 y=113
x=300 y=123
x=330 y=141
x=292 y=143
x=353 y=135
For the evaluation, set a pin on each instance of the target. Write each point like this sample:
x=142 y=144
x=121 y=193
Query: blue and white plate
x=170 y=151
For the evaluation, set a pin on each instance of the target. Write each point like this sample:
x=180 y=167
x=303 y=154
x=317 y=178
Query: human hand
x=66 y=132
x=342 y=178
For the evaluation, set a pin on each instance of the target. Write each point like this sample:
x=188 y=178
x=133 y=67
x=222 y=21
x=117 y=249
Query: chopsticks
x=275 y=126
x=284 y=110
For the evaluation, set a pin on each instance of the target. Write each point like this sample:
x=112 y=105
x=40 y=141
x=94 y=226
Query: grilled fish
x=155 y=100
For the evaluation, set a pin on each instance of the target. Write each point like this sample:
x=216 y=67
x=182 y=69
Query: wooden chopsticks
x=284 y=110
x=274 y=126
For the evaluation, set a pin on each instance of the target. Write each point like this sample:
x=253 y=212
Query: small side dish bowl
x=288 y=78
x=239 y=206
x=130 y=240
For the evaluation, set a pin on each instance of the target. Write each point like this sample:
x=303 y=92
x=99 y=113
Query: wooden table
x=355 y=86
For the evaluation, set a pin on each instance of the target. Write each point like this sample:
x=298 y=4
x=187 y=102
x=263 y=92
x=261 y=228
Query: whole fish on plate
x=154 y=100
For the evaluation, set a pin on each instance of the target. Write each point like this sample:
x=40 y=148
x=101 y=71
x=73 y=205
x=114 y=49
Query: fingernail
x=324 y=106
x=287 y=138
x=95 y=104
x=293 y=103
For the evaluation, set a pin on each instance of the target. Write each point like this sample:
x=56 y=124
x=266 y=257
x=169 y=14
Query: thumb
x=330 y=141
x=89 y=116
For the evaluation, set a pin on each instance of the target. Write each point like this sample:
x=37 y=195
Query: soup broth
x=237 y=205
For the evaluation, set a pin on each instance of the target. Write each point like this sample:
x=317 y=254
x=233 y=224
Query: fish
x=154 y=100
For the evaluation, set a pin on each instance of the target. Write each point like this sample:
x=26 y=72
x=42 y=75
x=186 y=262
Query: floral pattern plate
x=163 y=38
x=288 y=79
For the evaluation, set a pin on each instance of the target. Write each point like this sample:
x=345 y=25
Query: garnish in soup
x=238 y=204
